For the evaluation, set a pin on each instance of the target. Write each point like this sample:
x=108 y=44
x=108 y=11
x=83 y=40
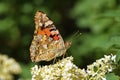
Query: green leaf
x=118 y=57
x=112 y=76
x=3 y=7
x=27 y=8
x=114 y=48
x=6 y=24
x=26 y=68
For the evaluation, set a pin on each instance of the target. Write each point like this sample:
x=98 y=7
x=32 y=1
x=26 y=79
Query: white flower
x=98 y=69
x=66 y=70
x=62 y=70
x=8 y=67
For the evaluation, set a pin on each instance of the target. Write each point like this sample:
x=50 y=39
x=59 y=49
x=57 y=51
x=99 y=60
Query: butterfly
x=47 y=42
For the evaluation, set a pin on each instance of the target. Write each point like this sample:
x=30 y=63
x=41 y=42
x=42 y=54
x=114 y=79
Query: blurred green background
x=97 y=20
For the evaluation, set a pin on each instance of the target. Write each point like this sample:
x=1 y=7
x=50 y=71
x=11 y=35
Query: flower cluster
x=62 y=70
x=8 y=67
x=98 y=69
x=66 y=70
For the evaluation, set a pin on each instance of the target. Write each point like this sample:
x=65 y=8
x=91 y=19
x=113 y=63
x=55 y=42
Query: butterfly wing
x=47 y=42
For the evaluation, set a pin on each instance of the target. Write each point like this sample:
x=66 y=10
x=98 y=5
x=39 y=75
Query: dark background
x=97 y=20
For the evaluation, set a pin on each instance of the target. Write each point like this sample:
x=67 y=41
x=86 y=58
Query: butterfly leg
x=65 y=54
x=54 y=60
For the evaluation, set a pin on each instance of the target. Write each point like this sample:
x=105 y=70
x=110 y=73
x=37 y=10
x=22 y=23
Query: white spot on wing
x=40 y=24
x=45 y=46
x=55 y=42
x=48 y=23
x=50 y=39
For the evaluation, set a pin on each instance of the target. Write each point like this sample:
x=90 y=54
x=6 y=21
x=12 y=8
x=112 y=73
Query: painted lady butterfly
x=47 y=43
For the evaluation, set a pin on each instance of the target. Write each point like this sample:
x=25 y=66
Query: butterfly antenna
x=76 y=35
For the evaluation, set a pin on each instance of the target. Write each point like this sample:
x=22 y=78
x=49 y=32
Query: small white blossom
x=66 y=70
x=8 y=67
x=62 y=70
x=98 y=69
